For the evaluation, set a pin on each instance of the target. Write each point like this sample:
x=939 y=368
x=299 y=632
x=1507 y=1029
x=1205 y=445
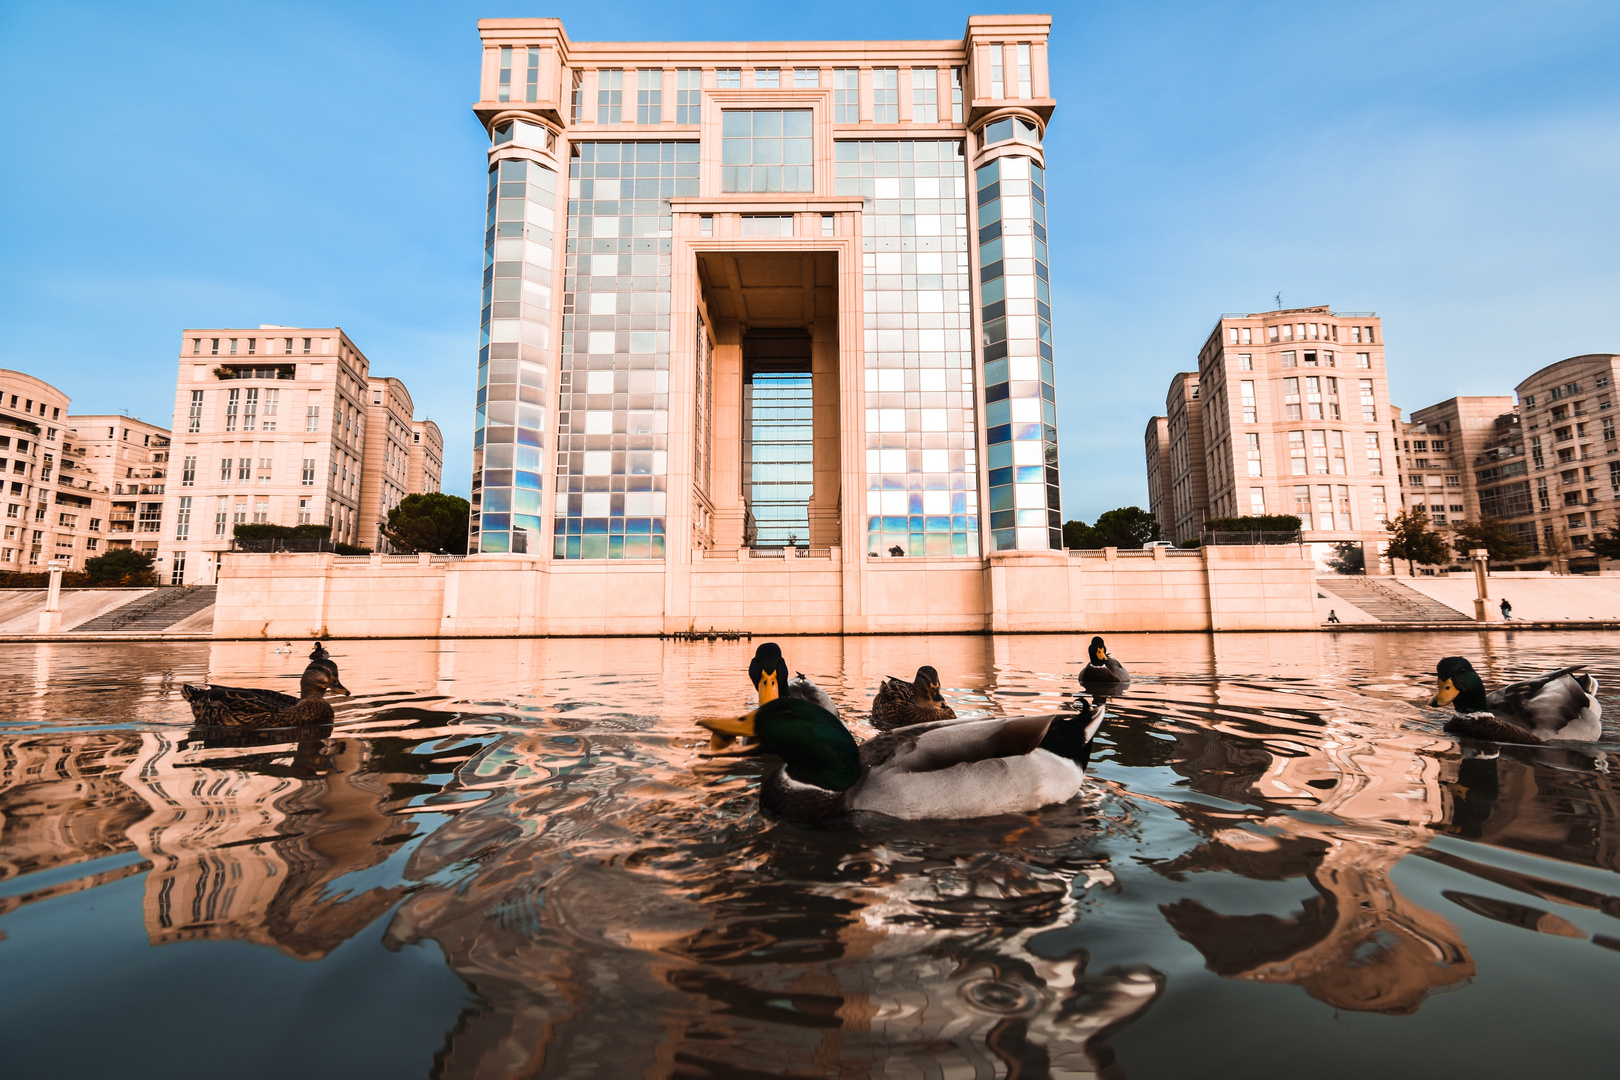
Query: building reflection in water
x=609 y=897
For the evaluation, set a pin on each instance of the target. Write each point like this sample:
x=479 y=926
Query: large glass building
x=746 y=297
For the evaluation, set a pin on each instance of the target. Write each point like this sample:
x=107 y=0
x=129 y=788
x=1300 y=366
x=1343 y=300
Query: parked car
x=1151 y=544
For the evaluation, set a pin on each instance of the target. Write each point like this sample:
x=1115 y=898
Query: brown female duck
x=239 y=706
x=901 y=704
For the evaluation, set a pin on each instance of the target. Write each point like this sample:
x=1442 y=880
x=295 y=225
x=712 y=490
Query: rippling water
x=514 y=858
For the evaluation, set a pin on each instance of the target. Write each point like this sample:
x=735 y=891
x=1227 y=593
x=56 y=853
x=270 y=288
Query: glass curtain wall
x=1016 y=334
x=513 y=360
x=777 y=414
x=613 y=404
x=921 y=457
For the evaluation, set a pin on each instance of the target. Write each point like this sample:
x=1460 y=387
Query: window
x=148 y=516
x=308 y=478
x=250 y=409
x=846 y=96
x=649 y=96
x=221 y=508
x=1257 y=500
x=768 y=78
x=1375 y=461
x=766 y=150
x=188 y=471
x=253 y=346
x=806 y=77
x=376 y=397
x=1296 y=453
x=1369 y=407
x=886 y=95
x=303 y=511
x=997 y=83
x=1535 y=452
x=182 y=518
x=261 y=512
x=1302 y=505
x=1249 y=407
x=194 y=418
x=232 y=403
x=1024 y=84
x=244 y=469
x=688 y=95
x=609 y=96
x=196 y=346
x=312 y=418
x=272 y=401
x=767 y=224
x=531 y=81
x=224 y=470
x=956 y=95
x=1252 y=441
x=925 y=95
x=728 y=78
x=505 y=91
x=827 y=221
x=306 y=345
x=264 y=470
x=1290 y=358
x=706 y=225
x=1245 y=362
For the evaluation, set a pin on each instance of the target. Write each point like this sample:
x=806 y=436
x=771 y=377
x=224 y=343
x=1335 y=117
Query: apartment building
x=54 y=507
x=1295 y=419
x=1156 y=442
x=129 y=457
x=1453 y=450
x=1567 y=414
x=385 y=471
x=427 y=457
x=1187 y=492
x=270 y=427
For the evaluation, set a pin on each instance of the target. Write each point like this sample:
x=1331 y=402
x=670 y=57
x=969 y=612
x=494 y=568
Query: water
x=513 y=858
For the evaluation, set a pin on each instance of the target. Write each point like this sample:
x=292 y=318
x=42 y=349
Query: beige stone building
x=269 y=427
x=1186 y=480
x=55 y=508
x=1156 y=442
x=130 y=459
x=386 y=469
x=1567 y=413
x=1295 y=420
x=427 y=458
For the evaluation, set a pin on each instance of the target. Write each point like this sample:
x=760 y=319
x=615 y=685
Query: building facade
x=1295 y=419
x=1567 y=414
x=745 y=295
x=270 y=427
x=1456 y=451
x=129 y=458
x=385 y=472
x=426 y=466
x=55 y=508
x=1156 y=444
x=1187 y=484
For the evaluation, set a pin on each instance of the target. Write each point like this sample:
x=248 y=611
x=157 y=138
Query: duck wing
x=956 y=769
x=236 y=704
x=1494 y=728
x=1109 y=671
x=805 y=690
x=1558 y=705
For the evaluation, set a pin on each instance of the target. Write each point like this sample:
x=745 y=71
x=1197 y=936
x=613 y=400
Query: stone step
x=1387 y=600
x=157 y=610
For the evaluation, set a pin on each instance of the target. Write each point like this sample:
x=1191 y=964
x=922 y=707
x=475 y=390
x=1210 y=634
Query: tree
x=432 y=521
x=1077 y=534
x=1606 y=545
x=120 y=566
x=1491 y=534
x=1410 y=538
x=1126 y=527
x=1348 y=557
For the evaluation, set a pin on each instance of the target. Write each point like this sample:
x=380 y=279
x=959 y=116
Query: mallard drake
x=901 y=704
x=1559 y=705
x=1102 y=668
x=237 y=706
x=768 y=657
x=953 y=769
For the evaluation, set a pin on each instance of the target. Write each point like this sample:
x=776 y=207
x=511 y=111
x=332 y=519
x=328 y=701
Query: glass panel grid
x=514 y=366
x=609 y=96
x=777 y=411
x=649 y=95
x=846 y=95
x=925 y=95
x=1016 y=338
x=613 y=387
x=886 y=95
x=688 y=91
x=921 y=445
x=766 y=150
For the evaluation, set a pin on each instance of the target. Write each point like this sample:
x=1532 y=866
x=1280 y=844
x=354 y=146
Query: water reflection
x=613 y=902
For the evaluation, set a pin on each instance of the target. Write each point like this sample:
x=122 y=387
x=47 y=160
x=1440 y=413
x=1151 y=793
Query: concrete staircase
x=157 y=610
x=1387 y=600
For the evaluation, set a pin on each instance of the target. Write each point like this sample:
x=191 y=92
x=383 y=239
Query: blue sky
x=1451 y=166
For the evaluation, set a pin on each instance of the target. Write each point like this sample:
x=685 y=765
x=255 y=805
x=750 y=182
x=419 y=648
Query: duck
x=239 y=706
x=768 y=660
x=287 y=648
x=950 y=769
x=1102 y=668
x=901 y=704
x=1560 y=705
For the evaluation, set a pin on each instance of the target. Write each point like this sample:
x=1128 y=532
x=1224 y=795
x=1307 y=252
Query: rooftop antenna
x=1279 y=301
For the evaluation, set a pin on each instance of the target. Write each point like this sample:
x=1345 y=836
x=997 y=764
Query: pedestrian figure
x=1333 y=616
x=1507 y=609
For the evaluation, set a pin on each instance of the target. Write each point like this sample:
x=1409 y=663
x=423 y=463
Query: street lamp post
x=1483 y=611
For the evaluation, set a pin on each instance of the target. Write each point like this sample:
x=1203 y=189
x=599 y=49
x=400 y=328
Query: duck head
x=1099 y=655
x=768 y=672
x=926 y=685
x=1458 y=684
x=320 y=679
x=816 y=748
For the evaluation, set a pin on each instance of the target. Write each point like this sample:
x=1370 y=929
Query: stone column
x=50 y=620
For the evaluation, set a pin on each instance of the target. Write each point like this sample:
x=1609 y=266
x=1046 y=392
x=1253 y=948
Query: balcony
x=283 y=372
